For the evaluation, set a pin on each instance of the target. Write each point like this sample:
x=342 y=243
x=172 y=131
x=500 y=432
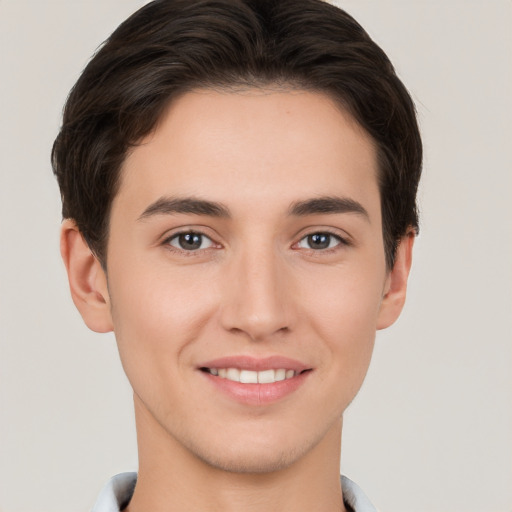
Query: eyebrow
x=195 y=206
x=171 y=205
x=327 y=204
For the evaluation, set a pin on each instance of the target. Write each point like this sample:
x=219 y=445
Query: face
x=246 y=274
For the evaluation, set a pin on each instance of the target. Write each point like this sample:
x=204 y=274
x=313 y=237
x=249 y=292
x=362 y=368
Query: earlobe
x=87 y=279
x=396 y=284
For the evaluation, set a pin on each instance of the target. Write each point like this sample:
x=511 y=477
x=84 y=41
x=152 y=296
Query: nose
x=257 y=295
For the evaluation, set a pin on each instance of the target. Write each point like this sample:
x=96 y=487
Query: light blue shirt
x=117 y=494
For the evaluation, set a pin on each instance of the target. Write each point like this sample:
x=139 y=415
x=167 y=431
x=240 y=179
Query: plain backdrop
x=432 y=427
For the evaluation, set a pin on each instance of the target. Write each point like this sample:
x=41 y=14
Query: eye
x=320 y=241
x=190 y=241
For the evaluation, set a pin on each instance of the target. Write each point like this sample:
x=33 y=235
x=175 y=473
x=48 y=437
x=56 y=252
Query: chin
x=255 y=453
x=251 y=461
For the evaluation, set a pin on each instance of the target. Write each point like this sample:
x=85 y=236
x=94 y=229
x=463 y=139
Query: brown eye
x=190 y=241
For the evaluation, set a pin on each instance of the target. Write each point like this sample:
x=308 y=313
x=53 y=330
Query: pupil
x=190 y=241
x=319 y=241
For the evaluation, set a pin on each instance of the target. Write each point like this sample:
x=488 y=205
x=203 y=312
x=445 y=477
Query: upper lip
x=244 y=362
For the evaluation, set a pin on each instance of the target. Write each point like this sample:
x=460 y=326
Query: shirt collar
x=119 y=489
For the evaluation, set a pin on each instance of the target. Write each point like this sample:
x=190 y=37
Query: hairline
x=242 y=85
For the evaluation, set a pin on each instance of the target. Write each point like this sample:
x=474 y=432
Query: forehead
x=272 y=146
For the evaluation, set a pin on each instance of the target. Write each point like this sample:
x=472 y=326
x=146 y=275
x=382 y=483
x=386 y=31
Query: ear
x=87 y=279
x=395 y=288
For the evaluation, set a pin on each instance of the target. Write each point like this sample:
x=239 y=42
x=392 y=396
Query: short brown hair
x=171 y=46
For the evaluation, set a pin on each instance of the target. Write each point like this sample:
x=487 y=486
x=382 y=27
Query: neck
x=173 y=479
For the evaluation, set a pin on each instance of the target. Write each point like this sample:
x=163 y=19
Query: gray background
x=432 y=427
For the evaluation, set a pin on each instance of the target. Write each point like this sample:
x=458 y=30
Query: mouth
x=255 y=381
x=243 y=376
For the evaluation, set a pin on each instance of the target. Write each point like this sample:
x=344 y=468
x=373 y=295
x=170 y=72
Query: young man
x=238 y=181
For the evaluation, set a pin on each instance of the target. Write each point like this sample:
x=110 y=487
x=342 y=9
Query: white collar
x=119 y=489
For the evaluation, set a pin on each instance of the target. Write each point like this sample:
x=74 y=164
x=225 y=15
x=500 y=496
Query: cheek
x=157 y=314
x=344 y=314
x=345 y=299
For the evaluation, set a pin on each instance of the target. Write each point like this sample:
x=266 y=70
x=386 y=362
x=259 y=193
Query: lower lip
x=257 y=394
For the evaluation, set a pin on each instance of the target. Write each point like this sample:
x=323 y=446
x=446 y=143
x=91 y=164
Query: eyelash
x=331 y=236
x=193 y=252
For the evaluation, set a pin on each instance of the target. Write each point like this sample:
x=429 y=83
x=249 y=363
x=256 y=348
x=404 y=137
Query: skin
x=256 y=286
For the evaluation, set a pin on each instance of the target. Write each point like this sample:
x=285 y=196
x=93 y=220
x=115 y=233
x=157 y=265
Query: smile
x=252 y=377
x=255 y=381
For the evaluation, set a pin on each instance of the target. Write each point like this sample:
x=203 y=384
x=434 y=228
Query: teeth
x=266 y=376
x=280 y=374
x=252 y=377
x=233 y=374
x=248 y=377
